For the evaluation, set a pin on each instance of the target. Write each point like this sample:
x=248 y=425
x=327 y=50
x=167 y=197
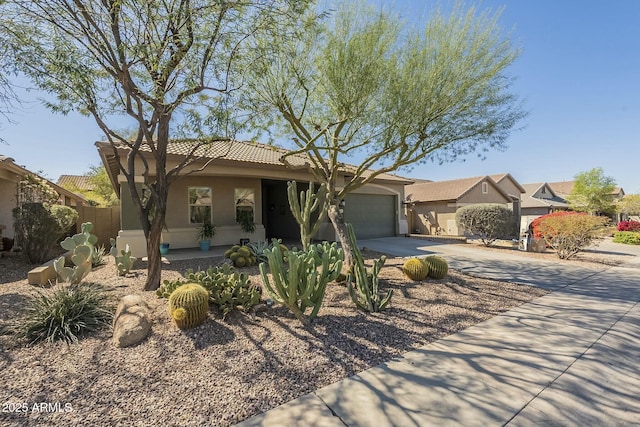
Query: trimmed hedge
x=627 y=237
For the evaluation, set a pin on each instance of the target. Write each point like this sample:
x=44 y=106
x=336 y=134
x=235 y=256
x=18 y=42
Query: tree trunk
x=154 y=263
x=337 y=219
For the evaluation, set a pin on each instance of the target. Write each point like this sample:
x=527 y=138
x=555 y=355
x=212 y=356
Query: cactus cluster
x=124 y=261
x=81 y=246
x=228 y=289
x=437 y=266
x=241 y=256
x=304 y=207
x=188 y=305
x=415 y=269
x=365 y=293
x=302 y=285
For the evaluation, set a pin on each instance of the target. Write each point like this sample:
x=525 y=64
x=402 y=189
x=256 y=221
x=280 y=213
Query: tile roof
x=246 y=152
x=79 y=182
x=499 y=177
x=563 y=188
x=528 y=201
x=441 y=190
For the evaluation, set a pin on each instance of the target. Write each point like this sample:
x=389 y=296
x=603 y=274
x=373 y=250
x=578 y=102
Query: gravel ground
x=223 y=372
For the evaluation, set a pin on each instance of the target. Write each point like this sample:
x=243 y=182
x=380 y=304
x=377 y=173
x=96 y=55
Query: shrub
x=65 y=313
x=627 y=237
x=629 y=226
x=488 y=221
x=38 y=227
x=535 y=225
x=568 y=234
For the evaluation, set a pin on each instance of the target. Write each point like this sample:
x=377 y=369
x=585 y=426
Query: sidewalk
x=568 y=358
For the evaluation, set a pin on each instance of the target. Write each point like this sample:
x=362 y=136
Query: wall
x=106 y=222
x=7 y=203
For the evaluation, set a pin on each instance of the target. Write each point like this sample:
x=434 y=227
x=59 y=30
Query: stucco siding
x=7 y=203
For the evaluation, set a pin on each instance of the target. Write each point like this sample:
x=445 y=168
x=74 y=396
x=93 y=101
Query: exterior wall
x=509 y=187
x=7 y=203
x=432 y=218
x=475 y=196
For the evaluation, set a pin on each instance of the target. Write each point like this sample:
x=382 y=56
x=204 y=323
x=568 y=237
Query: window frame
x=195 y=217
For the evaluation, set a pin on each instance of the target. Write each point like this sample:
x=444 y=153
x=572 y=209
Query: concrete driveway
x=568 y=358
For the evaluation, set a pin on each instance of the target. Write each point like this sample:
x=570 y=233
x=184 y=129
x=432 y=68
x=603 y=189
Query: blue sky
x=579 y=73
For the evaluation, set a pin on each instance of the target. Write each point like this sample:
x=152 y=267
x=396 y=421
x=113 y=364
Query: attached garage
x=372 y=215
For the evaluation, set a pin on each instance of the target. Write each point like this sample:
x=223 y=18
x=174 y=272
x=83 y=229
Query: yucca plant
x=65 y=313
x=98 y=256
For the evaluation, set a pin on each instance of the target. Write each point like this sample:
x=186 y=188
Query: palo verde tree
x=630 y=204
x=7 y=96
x=167 y=66
x=592 y=192
x=362 y=83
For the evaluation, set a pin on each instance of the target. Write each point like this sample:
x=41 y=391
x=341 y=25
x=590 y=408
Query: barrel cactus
x=415 y=269
x=437 y=266
x=188 y=305
x=241 y=256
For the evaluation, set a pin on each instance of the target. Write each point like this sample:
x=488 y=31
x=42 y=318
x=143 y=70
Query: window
x=200 y=204
x=485 y=188
x=245 y=203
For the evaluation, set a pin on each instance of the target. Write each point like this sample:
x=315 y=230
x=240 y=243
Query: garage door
x=372 y=215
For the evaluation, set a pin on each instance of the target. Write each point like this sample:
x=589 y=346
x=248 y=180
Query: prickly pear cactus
x=82 y=246
x=415 y=269
x=438 y=267
x=124 y=262
x=188 y=305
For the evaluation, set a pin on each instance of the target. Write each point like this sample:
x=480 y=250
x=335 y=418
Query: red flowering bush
x=535 y=225
x=569 y=234
x=629 y=226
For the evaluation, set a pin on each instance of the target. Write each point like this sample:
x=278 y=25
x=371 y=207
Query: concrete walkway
x=568 y=358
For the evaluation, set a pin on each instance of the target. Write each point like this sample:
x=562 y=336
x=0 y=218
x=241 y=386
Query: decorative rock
x=132 y=321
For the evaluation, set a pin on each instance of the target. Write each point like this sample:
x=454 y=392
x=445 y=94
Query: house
x=10 y=174
x=231 y=179
x=539 y=199
x=432 y=206
x=563 y=188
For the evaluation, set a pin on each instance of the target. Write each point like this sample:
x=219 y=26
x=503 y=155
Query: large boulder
x=132 y=321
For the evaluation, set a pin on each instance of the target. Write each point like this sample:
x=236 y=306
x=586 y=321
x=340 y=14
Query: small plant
x=206 y=231
x=363 y=285
x=188 y=305
x=627 y=237
x=257 y=250
x=245 y=219
x=438 y=267
x=124 y=261
x=241 y=256
x=415 y=269
x=302 y=285
x=65 y=313
x=98 y=256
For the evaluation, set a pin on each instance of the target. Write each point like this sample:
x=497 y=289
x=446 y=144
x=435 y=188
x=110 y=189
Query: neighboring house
x=563 y=189
x=10 y=174
x=432 y=206
x=247 y=176
x=76 y=182
x=539 y=199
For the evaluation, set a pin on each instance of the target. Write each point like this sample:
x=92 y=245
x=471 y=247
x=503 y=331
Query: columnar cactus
x=188 y=305
x=82 y=246
x=303 y=284
x=365 y=294
x=303 y=208
x=438 y=267
x=415 y=269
